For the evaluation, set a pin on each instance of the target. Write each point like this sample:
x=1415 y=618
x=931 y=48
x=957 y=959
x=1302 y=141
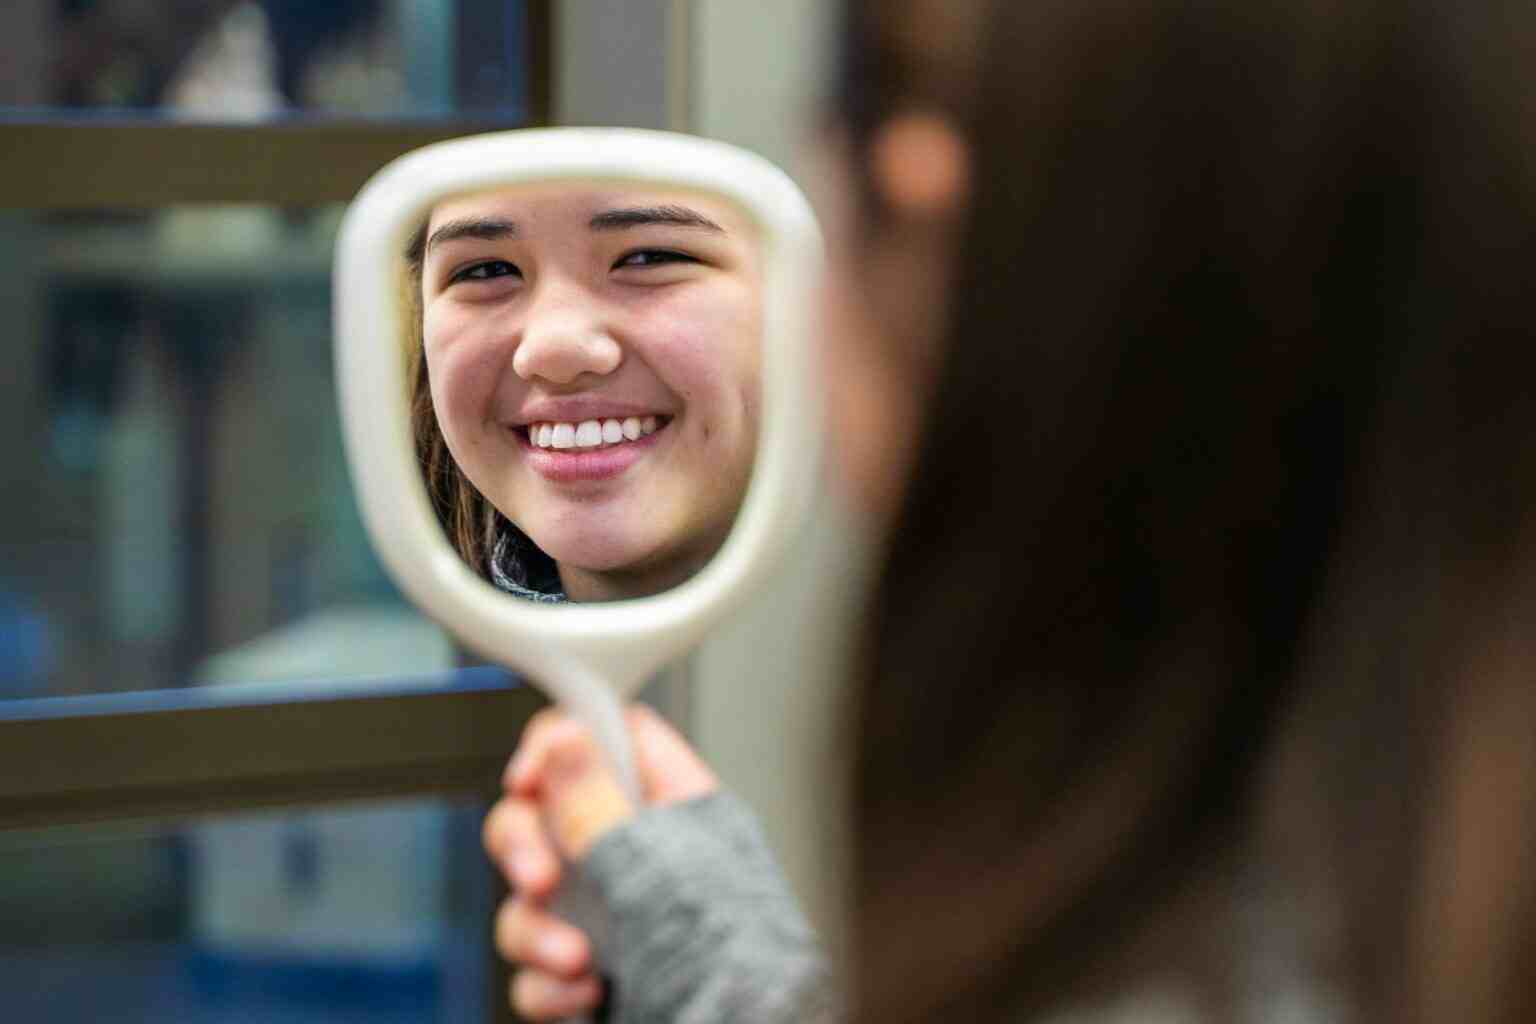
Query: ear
x=921 y=165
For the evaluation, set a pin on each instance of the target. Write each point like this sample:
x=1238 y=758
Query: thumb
x=670 y=772
x=581 y=796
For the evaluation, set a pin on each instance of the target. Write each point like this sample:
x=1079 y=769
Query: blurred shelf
x=211 y=248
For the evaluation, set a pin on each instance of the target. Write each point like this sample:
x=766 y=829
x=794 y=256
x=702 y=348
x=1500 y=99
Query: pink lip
x=568 y=466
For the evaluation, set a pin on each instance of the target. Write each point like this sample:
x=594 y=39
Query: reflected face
x=594 y=363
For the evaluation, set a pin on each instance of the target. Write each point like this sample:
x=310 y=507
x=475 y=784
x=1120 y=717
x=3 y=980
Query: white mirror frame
x=586 y=656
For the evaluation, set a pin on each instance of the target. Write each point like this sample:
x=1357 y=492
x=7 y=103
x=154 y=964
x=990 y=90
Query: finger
x=538 y=996
x=582 y=801
x=548 y=731
x=517 y=764
x=559 y=768
x=529 y=935
x=516 y=841
x=670 y=771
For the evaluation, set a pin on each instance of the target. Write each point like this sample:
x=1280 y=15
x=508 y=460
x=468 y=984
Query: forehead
x=565 y=205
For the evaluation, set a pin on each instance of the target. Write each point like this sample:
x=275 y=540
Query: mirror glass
x=585 y=367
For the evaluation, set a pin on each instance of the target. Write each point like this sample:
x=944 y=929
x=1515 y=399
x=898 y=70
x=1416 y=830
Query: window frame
x=68 y=761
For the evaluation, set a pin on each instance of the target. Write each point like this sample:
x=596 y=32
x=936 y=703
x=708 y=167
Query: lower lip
x=573 y=465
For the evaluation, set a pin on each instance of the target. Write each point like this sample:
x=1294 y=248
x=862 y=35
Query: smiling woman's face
x=594 y=364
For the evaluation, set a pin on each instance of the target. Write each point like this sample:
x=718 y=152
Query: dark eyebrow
x=487 y=229
x=641 y=216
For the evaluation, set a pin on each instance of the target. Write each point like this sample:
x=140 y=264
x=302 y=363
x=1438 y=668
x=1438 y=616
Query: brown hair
x=1211 y=570
x=477 y=529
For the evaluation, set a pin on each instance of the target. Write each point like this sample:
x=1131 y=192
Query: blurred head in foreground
x=1201 y=664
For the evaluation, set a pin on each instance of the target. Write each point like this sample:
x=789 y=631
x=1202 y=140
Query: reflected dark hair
x=478 y=531
x=1220 y=516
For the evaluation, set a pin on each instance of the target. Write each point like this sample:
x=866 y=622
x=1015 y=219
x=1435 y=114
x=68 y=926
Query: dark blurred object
x=301 y=29
x=244 y=60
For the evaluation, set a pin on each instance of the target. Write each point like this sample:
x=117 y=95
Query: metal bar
x=541 y=61
x=168 y=763
x=146 y=164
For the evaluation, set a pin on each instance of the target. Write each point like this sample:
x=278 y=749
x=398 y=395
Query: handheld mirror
x=575 y=385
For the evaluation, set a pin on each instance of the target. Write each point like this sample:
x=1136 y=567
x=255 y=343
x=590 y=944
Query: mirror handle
x=596 y=705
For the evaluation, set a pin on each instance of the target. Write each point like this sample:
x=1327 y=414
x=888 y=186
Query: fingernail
x=514 y=769
x=559 y=947
x=522 y=870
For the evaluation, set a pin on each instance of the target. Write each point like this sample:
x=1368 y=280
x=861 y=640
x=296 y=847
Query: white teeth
x=591 y=433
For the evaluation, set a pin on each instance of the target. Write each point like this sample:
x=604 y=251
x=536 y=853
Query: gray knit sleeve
x=704 y=928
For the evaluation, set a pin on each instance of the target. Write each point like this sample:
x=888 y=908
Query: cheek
x=706 y=351
x=463 y=369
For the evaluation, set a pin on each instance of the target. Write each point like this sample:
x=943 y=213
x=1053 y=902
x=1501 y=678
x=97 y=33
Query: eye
x=653 y=258
x=486 y=271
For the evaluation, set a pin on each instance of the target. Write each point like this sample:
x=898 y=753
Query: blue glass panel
x=179 y=511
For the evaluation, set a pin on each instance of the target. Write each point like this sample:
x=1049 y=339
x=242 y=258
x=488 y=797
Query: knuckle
x=530 y=995
x=496 y=830
x=524 y=995
x=567 y=733
x=540 y=733
x=543 y=721
x=510 y=926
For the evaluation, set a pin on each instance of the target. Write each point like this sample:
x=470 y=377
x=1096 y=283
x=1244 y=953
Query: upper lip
x=580 y=408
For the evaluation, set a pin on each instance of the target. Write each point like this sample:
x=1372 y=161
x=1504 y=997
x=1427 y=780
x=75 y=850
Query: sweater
x=701 y=923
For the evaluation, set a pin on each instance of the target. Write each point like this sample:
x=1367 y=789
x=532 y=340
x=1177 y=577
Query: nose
x=564 y=338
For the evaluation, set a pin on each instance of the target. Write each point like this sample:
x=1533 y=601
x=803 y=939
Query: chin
x=605 y=554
